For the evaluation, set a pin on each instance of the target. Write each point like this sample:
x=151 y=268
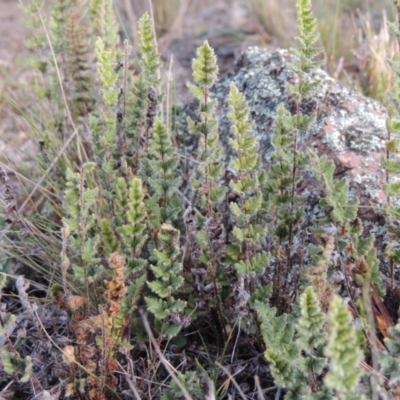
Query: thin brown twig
x=133 y=389
x=232 y=379
x=259 y=389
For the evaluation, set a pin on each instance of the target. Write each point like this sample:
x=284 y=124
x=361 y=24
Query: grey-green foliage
x=77 y=46
x=59 y=15
x=191 y=381
x=79 y=205
x=288 y=161
x=211 y=169
x=294 y=347
x=37 y=39
x=163 y=182
x=150 y=60
x=15 y=365
x=344 y=353
x=342 y=212
x=311 y=336
x=67 y=76
x=48 y=106
x=168 y=281
x=248 y=234
x=110 y=209
x=118 y=215
x=278 y=335
x=104 y=23
x=104 y=124
x=133 y=232
x=208 y=184
x=142 y=99
x=340 y=207
x=389 y=359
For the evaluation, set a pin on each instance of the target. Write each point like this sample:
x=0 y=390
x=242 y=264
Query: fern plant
x=344 y=353
x=162 y=180
x=143 y=99
x=211 y=168
x=342 y=212
x=389 y=360
x=287 y=160
x=133 y=232
x=77 y=46
x=248 y=233
x=294 y=348
x=311 y=336
x=168 y=280
x=79 y=206
x=121 y=244
x=207 y=186
x=104 y=125
x=104 y=24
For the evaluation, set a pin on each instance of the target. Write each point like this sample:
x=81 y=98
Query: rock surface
x=350 y=128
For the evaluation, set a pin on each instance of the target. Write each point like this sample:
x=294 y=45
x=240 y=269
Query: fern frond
x=150 y=59
x=343 y=351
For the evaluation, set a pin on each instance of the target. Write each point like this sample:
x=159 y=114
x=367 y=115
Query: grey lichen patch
x=357 y=133
x=371 y=187
x=334 y=140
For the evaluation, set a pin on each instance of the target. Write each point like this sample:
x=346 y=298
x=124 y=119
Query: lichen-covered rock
x=350 y=128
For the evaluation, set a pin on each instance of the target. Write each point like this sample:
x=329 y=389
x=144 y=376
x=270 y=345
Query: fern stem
x=83 y=234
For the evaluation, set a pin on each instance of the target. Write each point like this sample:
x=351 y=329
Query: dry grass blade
x=232 y=379
x=163 y=360
x=133 y=388
x=374 y=50
x=273 y=18
x=384 y=320
x=133 y=21
x=211 y=391
x=259 y=389
x=371 y=371
x=175 y=29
